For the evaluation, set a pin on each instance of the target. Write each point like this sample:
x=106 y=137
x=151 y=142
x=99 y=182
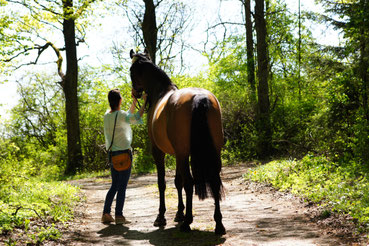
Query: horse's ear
x=147 y=53
x=131 y=53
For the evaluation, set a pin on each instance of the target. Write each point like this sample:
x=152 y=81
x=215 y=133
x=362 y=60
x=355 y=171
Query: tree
x=5 y=39
x=70 y=84
x=352 y=18
x=263 y=121
x=250 y=50
x=159 y=28
x=50 y=14
x=39 y=113
x=149 y=28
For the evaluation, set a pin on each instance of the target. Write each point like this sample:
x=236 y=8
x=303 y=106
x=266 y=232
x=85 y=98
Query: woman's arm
x=133 y=105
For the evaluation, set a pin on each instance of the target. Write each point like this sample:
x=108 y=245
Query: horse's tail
x=205 y=160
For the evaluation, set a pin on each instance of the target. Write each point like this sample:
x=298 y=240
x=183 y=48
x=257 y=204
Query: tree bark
x=263 y=121
x=70 y=84
x=250 y=51
x=149 y=29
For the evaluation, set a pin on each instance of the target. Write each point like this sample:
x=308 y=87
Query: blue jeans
x=118 y=186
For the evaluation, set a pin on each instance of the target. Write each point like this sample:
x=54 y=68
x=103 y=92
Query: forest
x=295 y=107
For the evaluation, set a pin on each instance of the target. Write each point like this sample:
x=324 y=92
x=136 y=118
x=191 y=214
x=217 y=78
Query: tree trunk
x=69 y=84
x=364 y=70
x=250 y=51
x=364 y=76
x=263 y=122
x=364 y=65
x=149 y=29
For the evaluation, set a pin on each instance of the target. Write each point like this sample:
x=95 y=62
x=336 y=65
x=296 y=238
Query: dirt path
x=251 y=217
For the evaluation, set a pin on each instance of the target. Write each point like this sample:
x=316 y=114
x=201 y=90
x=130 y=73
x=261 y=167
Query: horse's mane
x=160 y=75
x=157 y=81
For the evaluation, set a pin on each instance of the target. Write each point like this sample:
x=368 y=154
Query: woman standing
x=117 y=124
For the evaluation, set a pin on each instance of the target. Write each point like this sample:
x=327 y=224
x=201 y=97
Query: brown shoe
x=107 y=218
x=119 y=220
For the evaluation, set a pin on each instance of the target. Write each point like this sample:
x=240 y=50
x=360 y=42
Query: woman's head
x=114 y=98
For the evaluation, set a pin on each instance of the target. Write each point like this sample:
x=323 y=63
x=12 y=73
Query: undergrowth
x=339 y=187
x=29 y=210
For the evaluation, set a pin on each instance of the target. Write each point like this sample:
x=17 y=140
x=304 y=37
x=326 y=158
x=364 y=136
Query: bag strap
x=112 y=139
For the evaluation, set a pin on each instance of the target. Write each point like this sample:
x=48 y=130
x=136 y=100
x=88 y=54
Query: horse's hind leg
x=184 y=170
x=219 y=228
x=159 y=161
x=179 y=185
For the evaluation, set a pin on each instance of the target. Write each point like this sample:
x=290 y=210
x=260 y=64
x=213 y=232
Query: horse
x=185 y=123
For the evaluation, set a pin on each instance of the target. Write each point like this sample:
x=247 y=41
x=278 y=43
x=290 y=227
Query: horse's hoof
x=179 y=217
x=185 y=227
x=160 y=221
x=220 y=230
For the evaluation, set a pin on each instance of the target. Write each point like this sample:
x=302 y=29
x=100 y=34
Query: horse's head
x=137 y=60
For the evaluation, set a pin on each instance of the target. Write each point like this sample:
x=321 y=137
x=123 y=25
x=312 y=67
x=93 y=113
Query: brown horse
x=184 y=123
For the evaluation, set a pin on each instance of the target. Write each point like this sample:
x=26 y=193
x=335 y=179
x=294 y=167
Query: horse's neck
x=155 y=102
x=167 y=94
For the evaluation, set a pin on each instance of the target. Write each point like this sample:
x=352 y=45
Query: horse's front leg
x=159 y=161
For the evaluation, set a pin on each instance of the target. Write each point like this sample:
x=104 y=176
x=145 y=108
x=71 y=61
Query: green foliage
x=28 y=203
x=37 y=128
x=33 y=199
x=143 y=161
x=340 y=187
x=228 y=74
x=32 y=155
x=93 y=105
x=347 y=96
x=36 y=133
x=339 y=118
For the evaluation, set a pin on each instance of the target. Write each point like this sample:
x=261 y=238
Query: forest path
x=251 y=216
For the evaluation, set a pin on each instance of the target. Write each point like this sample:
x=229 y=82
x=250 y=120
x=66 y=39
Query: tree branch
x=225 y=23
x=80 y=10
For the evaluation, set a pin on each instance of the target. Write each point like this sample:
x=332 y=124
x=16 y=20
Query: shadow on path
x=161 y=236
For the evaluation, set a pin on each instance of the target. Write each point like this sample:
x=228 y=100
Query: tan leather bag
x=122 y=161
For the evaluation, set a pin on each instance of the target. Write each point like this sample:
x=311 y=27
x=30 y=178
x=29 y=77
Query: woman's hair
x=114 y=98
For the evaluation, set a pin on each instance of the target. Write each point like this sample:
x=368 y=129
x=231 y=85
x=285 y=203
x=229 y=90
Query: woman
x=122 y=143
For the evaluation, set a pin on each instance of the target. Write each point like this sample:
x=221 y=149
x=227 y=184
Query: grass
x=338 y=187
x=85 y=175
